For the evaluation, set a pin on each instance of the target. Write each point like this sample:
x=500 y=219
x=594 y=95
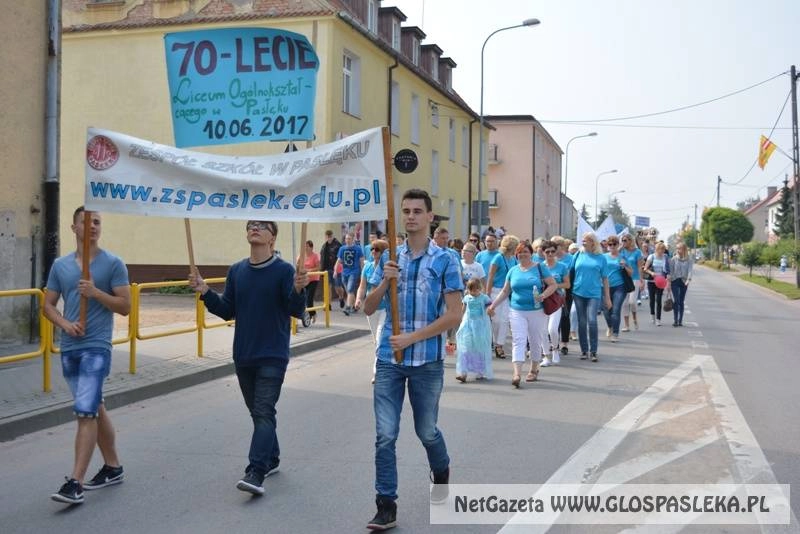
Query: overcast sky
x=590 y=60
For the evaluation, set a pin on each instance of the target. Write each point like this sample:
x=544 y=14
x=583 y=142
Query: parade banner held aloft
x=340 y=181
x=239 y=85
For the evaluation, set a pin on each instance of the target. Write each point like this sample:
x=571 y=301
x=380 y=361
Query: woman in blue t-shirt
x=527 y=285
x=495 y=279
x=635 y=260
x=589 y=287
x=615 y=263
x=560 y=273
x=378 y=317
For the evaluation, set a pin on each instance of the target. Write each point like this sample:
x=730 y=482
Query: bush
x=175 y=290
x=752 y=255
x=715 y=264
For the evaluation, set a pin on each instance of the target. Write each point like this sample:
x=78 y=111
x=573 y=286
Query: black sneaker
x=105 y=477
x=564 y=350
x=440 y=489
x=251 y=483
x=594 y=356
x=274 y=468
x=584 y=356
x=70 y=493
x=386 y=517
x=341 y=303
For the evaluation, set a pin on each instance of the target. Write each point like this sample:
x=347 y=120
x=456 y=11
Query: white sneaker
x=608 y=332
x=556 y=357
x=658 y=322
x=545 y=362
x=653 y=319
x=625 y=329
x=614 y=338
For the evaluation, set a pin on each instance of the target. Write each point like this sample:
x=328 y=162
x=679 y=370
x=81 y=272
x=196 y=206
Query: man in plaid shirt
x=430 y=289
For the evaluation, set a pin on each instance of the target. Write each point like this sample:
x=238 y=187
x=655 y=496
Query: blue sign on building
x=642 y=221
x=238 y=85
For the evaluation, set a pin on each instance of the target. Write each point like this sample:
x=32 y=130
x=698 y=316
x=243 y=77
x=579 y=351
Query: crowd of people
x=465 y=295
x=507 y=280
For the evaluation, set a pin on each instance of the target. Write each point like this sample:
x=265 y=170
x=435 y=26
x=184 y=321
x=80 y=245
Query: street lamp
x=596 y=183
x=566 y=169
x=610 y=195
x=526 y=22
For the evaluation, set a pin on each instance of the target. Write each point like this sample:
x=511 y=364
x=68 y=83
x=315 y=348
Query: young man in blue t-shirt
x=351 y=257
x=86 y=349
x=261 y=293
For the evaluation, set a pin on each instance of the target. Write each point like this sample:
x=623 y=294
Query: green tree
x=585 y=214
x=751 y=255
x=725 y=227
x=615 y=210
x=784 y=218
x=771 y=257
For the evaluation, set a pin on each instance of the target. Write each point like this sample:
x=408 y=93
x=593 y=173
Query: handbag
x=627 y=281
x=668 y=304
x=554 y=302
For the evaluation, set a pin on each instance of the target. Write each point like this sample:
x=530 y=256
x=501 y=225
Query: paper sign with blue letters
x=239 y=85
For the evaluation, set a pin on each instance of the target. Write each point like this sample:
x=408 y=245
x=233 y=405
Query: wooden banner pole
x=85 y=260
x=390 y=229
x=189 y=246
x=301 y=258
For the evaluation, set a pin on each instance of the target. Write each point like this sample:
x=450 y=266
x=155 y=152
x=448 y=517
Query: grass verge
x=787 y=290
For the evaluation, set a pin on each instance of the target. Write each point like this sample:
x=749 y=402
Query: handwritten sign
x=238 y=85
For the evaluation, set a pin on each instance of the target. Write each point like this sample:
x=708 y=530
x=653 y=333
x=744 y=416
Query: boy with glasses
x=261 y=293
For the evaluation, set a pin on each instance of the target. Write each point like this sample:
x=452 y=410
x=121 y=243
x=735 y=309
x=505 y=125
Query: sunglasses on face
x=549 y=251
x=259 y=225
x=473 y=240
x=612 y=244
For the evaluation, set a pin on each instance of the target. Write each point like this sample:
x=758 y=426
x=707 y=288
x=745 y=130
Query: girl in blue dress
x=474 y=336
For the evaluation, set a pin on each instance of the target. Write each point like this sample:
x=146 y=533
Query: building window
x=435 y=69
x=435 y=173
x=434 y=114
x=452 y=134
x=464 y=221
x=415 y=52
x=492 y=197
x=415 y=119
x=351 y=84
x=395 y=108
x=396 y=34
x=464 y=146
x=451 y=213
x=372 y=15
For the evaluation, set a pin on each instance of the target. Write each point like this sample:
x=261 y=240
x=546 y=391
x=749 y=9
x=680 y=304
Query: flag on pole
x=765 y=150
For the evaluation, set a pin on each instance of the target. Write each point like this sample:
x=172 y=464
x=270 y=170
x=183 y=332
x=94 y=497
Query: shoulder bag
x=627 y=281
x=555 y=301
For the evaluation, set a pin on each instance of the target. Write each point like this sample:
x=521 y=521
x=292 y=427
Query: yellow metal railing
x=44 y=333
x=134 y=334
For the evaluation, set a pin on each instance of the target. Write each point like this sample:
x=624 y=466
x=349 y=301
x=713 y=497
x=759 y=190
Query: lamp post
x=526 y=22
x=610 y=195
x=596 y=183
x=566 y=170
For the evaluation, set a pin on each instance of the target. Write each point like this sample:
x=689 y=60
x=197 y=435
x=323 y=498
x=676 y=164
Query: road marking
x=590 y=465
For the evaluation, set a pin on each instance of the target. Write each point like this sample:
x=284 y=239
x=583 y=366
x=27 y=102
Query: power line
x=668 y=127
x=770 y=135
x=682 y=108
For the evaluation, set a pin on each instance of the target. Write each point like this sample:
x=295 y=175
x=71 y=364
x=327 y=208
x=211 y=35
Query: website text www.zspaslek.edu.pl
x=264 y=199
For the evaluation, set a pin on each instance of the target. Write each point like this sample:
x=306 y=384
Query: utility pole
x=694 y=239
x=796 y=161
x=719 y=181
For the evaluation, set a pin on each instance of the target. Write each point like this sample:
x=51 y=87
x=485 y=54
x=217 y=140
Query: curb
x=61 y=413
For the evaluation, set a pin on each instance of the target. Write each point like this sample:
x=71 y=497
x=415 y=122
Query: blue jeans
x=587 y=322
x=678 y=299
x=613 y=315
x=261 y=388
x=424 y=389
x=85 y=370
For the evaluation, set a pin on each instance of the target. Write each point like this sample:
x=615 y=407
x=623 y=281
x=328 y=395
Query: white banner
x=340 y=181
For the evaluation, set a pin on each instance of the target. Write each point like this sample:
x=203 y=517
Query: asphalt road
x=712 y=402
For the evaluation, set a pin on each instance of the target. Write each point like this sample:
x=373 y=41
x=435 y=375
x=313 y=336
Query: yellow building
x=373 y=72
x=23 y=156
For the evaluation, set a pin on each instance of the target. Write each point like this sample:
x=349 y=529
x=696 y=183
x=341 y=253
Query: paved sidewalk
x=163 y=365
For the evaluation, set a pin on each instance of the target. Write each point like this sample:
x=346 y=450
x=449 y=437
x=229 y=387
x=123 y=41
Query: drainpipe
x=389 y=94
x=469 y=177
x=52 y=136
